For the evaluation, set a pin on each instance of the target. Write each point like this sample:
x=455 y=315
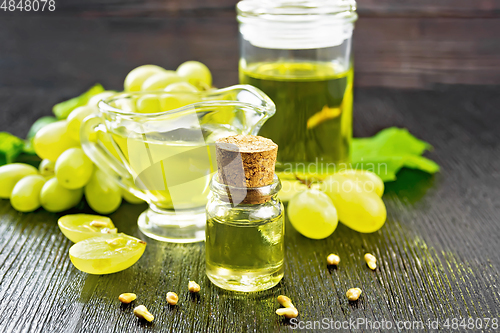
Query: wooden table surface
x=438 y=252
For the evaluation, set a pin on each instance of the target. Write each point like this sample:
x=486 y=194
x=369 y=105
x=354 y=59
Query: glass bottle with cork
x=299 y=53
x=245 y=219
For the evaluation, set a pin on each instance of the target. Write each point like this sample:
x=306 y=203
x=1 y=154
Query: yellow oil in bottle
x=244 y=254
x=313 y=121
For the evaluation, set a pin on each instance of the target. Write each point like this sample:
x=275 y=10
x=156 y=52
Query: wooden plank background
x=438 y=252
x=411 y=43
x=438 y=255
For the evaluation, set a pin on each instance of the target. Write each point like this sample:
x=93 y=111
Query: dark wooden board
x=453 y=8
x=413 y=44
x=438 y=252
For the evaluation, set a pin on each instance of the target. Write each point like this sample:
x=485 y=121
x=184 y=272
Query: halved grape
x=76 y=118
x=138 y=75
x=367 y=180
x=160 y=80
x=46 y=168
x=106 y=254
x=357 y=209
x=25 y=196
x=196 y=73
x=74 y=169
x=77 y=227
x=52 y=140
x=10 y=174
x=313 y=214
x=56 y=198
x=102 y=193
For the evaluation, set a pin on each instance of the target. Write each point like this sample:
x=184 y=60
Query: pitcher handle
x=103 y=158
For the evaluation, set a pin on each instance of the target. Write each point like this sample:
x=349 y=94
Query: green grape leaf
x=37 y=125
x=10 y=147
x=390 y=150
x=63 y=109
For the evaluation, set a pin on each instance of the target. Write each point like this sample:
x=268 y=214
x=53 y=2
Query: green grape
x=138 y=75
x=177 y=100
x=367 y=180
x=46 y=168
x=76 y=118
x=74 y=169
x=106 y=254
x=183 y=94
x=10 y=174
x=313 y=214
x=289 y=188
x=52 y=140
x=359 y=210
x=56 y=198
x=102 y=193
x=25 y=196
x=181 y=87
x=160 y=81
x=94 y=100
x=170 y=102
x=130 y=198
x=148 y=104
x=77 y=227
x=125 y=105
x=196 y=73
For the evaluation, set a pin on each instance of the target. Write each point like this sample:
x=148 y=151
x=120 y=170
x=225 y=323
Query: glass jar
x=244 y=241
x=299 y=54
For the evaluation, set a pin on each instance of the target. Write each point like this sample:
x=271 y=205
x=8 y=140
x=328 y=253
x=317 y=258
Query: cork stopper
x=246 y=161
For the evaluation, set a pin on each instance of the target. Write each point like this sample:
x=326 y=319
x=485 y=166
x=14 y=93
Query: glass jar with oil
x=299 y=53
x=245 y=242
x=245 y=218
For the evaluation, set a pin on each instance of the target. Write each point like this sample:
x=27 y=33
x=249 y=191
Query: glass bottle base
x=187 y=226
x=244 y=280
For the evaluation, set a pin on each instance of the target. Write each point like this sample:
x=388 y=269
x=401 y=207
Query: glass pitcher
x=299 y=53
x=167 y=158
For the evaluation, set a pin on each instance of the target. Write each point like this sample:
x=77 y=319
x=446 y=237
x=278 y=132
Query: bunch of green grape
x=351 y=196
x=59 y=184
x=180 y=87
x=65 y=173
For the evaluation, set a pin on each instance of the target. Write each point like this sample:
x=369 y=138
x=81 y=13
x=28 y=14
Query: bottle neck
x=244 y=195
